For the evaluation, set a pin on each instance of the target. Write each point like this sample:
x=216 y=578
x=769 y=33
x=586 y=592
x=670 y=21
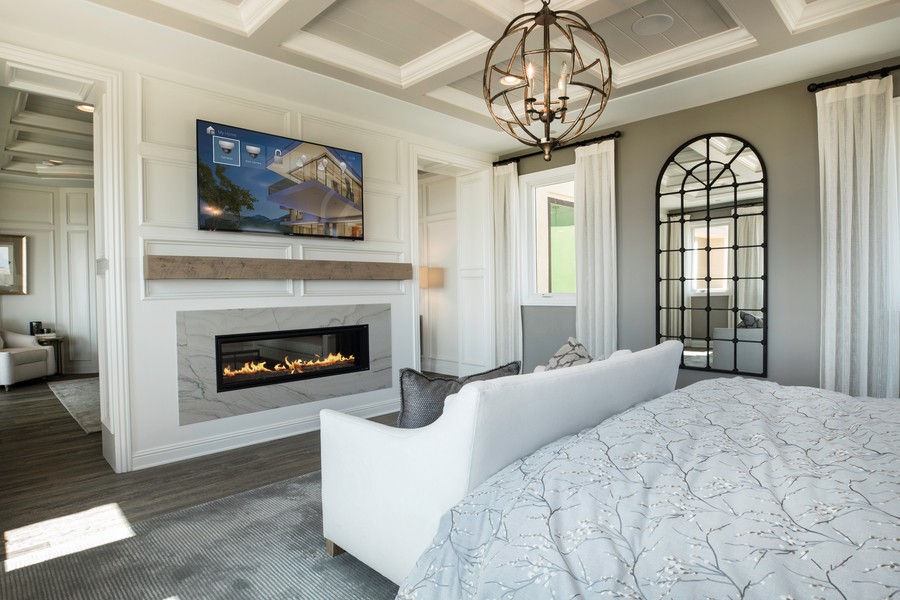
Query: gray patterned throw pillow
x=422 y=397
x=569 y=354
x=750 y=321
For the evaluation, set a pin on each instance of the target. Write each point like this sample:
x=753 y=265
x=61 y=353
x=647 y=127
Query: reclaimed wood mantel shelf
x=216 y=267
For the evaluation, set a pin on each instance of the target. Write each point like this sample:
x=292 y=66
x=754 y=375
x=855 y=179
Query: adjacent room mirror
x=711 y=246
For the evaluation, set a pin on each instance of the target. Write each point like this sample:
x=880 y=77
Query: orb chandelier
x=555 y=82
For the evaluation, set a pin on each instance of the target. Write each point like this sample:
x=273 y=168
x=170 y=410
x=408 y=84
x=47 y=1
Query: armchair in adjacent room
x=23 y=358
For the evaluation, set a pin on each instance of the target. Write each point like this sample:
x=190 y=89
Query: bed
x=728 y=488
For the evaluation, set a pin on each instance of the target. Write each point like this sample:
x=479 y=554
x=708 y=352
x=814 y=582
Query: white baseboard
x=219 y=443
x=436 y=365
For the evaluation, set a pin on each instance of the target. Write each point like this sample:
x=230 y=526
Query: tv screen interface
x=262 y=183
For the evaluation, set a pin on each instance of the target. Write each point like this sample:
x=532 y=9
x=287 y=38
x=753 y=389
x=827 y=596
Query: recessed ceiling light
x=53 y=162
x=652 y=24
x=88 y=108
x=510 y=80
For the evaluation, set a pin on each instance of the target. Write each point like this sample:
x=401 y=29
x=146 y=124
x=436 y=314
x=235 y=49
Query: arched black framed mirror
x=711 y=246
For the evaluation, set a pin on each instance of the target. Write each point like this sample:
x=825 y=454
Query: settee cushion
x=24 y=356
x=422 y=397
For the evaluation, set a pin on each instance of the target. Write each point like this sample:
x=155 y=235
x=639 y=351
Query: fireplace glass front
x=253 y=359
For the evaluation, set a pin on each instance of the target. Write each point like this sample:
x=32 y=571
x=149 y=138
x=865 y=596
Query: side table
x=57 y=343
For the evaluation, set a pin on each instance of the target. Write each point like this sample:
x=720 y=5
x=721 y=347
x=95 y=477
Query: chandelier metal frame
x=530 y=112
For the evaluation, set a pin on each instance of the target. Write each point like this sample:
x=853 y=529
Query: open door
x=455 y=242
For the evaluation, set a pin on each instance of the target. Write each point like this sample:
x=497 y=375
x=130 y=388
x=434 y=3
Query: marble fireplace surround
x=198 y=399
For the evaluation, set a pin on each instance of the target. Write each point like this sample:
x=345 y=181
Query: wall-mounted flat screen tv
x=262 y=183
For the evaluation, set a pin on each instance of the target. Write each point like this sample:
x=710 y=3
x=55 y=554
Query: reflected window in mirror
x=711 y=247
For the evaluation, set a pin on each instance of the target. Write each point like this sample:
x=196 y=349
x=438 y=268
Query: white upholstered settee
x=385 y=489
x=23 y=358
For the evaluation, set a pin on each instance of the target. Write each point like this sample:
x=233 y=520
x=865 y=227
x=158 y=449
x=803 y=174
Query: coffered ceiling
x=431 y=53
x=45 y=138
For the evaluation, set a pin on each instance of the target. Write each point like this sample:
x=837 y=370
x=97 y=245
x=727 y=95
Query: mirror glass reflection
x=711 y=242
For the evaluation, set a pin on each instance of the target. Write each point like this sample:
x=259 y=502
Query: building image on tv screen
x=256 y=182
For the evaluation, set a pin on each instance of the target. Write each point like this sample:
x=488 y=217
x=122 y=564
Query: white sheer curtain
x=675 y=293
x=860 y=345
x=595 y=247
x=749 y=292
x=507 y=269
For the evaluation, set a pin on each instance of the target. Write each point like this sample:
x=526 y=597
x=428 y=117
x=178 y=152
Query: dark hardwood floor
x=50 y=468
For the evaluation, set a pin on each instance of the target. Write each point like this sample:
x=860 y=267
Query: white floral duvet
x=728 y=488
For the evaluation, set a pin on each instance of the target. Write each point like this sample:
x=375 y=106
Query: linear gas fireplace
x=254 y=359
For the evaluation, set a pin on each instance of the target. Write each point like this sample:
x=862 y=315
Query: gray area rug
x=81 y=397
x=262 y=544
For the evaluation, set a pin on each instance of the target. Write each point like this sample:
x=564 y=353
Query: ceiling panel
x=395 y=31
x=693 y=20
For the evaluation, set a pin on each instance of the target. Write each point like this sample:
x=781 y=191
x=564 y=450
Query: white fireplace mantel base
x=196 y=330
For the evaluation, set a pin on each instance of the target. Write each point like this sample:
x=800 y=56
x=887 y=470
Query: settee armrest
x=383 y=484
x=19 y=340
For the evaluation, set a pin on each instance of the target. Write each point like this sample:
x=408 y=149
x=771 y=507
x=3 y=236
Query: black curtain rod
x=602 y=138
x=883 y=72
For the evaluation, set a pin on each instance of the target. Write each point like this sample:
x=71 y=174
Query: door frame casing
x=44 y=73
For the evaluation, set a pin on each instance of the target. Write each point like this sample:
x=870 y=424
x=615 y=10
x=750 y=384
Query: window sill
x=549 y=300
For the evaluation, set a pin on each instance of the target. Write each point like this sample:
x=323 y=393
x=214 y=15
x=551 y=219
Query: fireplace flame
x=289 y=366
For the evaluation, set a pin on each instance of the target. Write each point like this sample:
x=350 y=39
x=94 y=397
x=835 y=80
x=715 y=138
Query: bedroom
x=159 y=94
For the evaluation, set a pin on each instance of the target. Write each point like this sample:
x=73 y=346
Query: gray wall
x=544 y=330
x=781 y=124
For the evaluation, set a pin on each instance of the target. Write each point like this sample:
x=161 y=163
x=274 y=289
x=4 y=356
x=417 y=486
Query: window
x=548 y=198
x=710 y=257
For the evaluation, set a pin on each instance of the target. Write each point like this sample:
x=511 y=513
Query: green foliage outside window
x=562 y=246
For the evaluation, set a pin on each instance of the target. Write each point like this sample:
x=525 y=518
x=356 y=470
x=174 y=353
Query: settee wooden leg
x=332 y=549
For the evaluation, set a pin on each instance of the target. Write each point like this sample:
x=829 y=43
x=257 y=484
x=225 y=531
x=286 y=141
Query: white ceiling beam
x=47 y=122
x=706 y=49
x=49 y=150
x=291 y=18
x=456 y=51
x=347 y=59
x=40 y=170
x=76 y=137
x=799 y=15
x=243 y=19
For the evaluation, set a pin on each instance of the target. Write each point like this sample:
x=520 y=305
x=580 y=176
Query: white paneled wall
x=474 y=240
x=437 y=249
x=147 y=106
x=59 y=226
x=165 y=223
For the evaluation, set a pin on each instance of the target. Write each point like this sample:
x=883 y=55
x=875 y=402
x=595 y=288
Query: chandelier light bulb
x=563 y=80
x=529 y=74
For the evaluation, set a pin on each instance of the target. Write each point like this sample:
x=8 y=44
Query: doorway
x=58 y=77
x=455 y=300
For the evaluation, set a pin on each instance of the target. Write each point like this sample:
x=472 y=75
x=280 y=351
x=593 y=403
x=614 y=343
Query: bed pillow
x=422 y=396
x=569 y=354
